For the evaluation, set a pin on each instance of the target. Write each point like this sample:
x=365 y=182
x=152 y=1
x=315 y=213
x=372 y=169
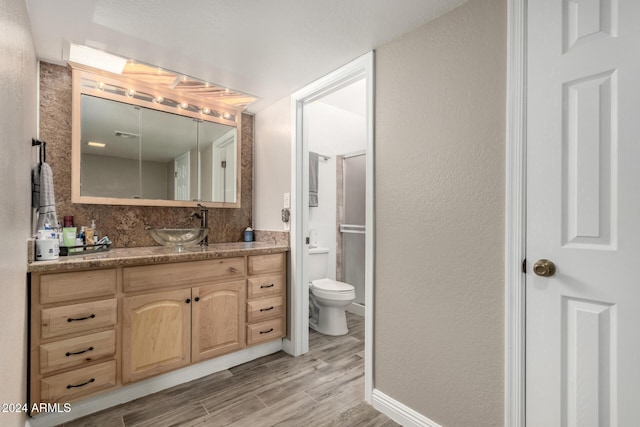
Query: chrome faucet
x=203 y=216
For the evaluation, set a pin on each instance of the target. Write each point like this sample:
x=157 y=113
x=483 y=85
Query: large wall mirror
x=141 y=147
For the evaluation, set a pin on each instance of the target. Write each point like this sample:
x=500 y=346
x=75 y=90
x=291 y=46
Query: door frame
x=515 y=217
x=362 y=67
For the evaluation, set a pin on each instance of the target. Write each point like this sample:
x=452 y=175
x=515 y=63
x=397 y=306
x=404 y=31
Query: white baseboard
x=287 y=347
x=400 y=413
x=142 y=388
x=356 y=308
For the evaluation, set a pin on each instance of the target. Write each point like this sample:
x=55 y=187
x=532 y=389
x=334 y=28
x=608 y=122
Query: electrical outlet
x=287 y=200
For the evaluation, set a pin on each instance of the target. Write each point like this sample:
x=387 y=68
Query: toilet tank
x=318 y=263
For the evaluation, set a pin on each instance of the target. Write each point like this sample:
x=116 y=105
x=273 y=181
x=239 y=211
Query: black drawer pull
x=71 y=319
x=188 y=300
x=266 y=332
x=69 y=353
x=267 y=286
x=267 y=309
x=81 y=385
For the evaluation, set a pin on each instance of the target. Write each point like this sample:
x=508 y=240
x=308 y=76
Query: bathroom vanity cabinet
x=101 y=328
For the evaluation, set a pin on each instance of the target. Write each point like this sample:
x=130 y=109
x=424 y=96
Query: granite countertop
x=153 y=255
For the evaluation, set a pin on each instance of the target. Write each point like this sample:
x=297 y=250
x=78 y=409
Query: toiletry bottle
x=248 y=235
x=80 y=239
x=96 y=237
x=88 y=236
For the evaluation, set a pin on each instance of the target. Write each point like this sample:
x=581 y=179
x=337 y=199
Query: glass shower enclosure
x=352 y=225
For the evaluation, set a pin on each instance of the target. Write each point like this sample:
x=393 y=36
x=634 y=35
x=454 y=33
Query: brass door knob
x=544 y=268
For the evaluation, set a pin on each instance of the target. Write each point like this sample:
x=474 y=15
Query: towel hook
x=43 y=149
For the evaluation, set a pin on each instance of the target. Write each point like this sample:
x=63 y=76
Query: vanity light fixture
x=184 y=105
x=101 y=86
x=158 y=99
x=157 y=76
x=96 y=144
x=226 y=116
x=131 y=93
x=206 y=110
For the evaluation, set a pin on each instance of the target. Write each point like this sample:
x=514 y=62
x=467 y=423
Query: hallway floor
x=324 y=387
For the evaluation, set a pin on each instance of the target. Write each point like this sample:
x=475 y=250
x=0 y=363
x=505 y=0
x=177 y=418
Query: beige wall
x=18 y=125
x=272 y=167
x=440 y=144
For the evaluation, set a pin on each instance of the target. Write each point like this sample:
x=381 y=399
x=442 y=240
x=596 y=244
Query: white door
x=583 y=213
x=181 y=176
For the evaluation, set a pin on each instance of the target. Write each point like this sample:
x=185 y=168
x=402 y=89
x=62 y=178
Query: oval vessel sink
x=178 y=238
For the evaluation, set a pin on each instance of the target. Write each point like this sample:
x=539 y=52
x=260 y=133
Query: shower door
x=352 y=227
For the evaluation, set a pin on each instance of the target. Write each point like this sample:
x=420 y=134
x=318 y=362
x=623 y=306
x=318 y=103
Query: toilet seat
x=332 y=289
x=331 y=285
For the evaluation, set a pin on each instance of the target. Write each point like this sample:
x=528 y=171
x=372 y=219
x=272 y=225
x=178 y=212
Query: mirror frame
x=80 y=72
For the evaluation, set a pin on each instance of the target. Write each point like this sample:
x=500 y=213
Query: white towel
x=43 y=197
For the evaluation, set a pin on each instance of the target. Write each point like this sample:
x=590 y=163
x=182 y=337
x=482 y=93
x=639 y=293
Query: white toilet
x=327 y=298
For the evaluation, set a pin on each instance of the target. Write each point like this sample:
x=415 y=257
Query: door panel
x=583 y=213
x=218 y=319
x=588 y=145
x=156 y=333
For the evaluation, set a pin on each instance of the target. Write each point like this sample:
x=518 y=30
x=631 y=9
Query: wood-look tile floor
x=324 y=387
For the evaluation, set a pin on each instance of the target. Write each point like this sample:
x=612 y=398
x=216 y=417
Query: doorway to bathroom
x=325 y=123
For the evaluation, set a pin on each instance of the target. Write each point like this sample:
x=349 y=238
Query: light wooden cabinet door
x=156 y=333
x=218 y=313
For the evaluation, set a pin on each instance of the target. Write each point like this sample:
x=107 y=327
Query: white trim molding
x=359 y=68
x=515 y=217
x=400 y=413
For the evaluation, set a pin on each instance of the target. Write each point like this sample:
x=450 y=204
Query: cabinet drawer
x=265 y=308
x=265 y=331
x=181 y=274
x=77 y=285
x=77 y=384
x=272 y=263
x=77 y=351
x=264 y=286
x=70 y=319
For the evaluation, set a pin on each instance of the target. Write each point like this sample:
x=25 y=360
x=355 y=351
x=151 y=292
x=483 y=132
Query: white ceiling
x=266 y=48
